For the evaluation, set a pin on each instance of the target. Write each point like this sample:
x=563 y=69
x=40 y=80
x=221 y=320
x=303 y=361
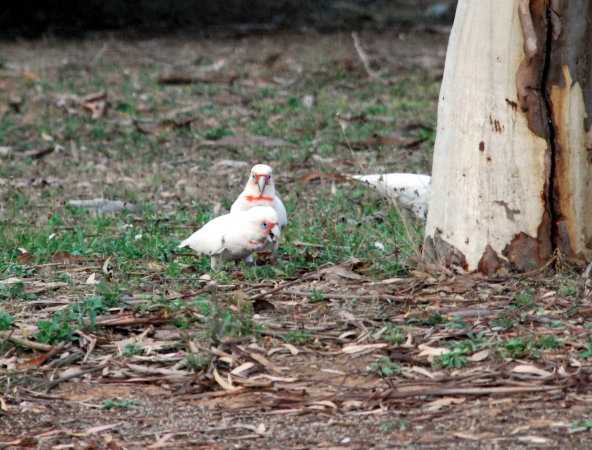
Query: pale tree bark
x=512 y=173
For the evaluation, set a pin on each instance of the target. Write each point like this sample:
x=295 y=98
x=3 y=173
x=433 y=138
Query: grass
x=161 y=172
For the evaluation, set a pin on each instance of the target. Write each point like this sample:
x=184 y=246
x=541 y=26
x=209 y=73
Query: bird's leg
x=274 y=252
x=249 y=260
x=214 y=262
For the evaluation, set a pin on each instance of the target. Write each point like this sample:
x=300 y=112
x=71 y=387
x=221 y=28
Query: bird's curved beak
x=261 y=182
x=274 y=234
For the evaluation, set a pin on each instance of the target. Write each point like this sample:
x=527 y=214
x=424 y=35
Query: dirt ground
x=327 y=390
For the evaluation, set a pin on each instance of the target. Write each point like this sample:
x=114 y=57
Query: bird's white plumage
x=410 y=190
x=260 y=191
x=236 y=235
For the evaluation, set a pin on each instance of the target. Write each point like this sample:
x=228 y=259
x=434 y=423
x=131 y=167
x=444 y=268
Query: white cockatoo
x=260 y=191
x=410 y=190
x=236 y=235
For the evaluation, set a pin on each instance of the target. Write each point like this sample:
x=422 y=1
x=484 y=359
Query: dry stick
x=277 y=289
x=53 y=352
x=49 y=386
x=350 y=296
x=468 y=391
x=363 y=56
x=27 y=343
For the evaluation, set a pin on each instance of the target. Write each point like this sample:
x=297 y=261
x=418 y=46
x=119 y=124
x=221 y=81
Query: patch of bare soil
x=326 y=393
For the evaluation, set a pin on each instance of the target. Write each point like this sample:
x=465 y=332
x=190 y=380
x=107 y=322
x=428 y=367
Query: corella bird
x=236 y=235
x=260 y=191
x=411 y=191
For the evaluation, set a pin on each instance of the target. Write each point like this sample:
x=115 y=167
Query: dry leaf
x=318 y=175
x=66 y=256
x=237 y=142
x=431 y=351
x=427 y=373
x=95 y=104
x=325 y=403
x=445 y=401
x=534 y=439
x=92 y=279
x=242 y=368
x=26 y=258
x=225 y=385
x=292 y=349
x=265 y=362
x=272 y=378
x=527 y=368
x=479 y=356
x=102 y=428
x=37 y=154
x=419 y=274
x=351 y=349
x=155 y=266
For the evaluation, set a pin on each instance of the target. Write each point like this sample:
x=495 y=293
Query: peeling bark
x=440 y=250
x=490 y=263
x=530 y=73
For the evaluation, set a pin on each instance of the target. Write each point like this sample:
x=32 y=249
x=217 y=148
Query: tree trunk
x=511 y=180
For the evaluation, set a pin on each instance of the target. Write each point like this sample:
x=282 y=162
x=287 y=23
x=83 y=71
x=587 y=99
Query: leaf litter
x=431 y=359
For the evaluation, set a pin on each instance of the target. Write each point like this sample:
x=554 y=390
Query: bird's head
x=265 y=221
x=261 y=176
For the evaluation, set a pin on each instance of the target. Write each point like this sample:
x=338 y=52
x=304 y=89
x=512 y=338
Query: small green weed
x=198 y=362
x=110 y=404
x=316 y=296
x=297 y=337
x=384 y=367
x=132 y=350
x=455 y=323
x=398 y=425
x=455 y=359
x=516 y=347
x=587 y=424
x=503 y=322
x=549 y=342
x=6 y=320
x=522 y=300
x=15 y=292
x=393 y=334
x=56 y=331
x=588 y=352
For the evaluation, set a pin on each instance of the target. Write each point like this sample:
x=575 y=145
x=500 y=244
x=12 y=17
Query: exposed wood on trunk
x=512 y=179
x=487 y=162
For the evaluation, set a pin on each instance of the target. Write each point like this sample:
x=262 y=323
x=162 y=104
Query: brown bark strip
x=530 y=73
x=490 y=262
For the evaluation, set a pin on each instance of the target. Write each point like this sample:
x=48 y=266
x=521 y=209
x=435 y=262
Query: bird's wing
x=280 y=209
x=409 y=189
x=209 y=239
x=240 y=204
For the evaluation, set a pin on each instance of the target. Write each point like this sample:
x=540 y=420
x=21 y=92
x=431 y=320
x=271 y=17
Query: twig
x=350 y=296
x=363 y=56
x=27 y=343
x=467 y=391
x=277 y=289
x=49 y=386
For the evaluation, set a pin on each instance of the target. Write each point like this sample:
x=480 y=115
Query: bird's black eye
x=264 y=226
x=253 y=177
x=269 y=177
